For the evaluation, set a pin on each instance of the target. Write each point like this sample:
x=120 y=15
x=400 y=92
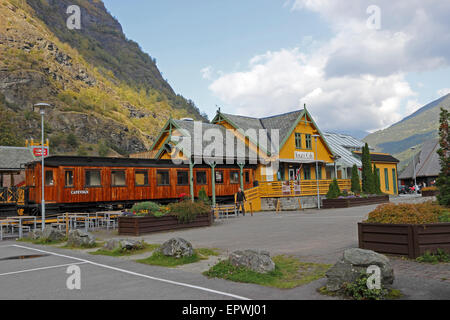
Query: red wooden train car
x=92 y=183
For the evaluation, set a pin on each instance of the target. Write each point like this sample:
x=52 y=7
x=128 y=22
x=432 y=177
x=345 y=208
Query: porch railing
x=293 y=188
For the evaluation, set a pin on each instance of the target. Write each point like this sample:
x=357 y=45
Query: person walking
x=240 y=199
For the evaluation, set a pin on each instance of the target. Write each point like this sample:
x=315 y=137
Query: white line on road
x=140 y=275
x=43 y=268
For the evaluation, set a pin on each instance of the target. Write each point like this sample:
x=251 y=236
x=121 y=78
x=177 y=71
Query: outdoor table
x=5 y=222
x=19 y=219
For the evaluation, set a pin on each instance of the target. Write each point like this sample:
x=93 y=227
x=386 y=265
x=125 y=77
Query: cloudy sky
x=358 y=65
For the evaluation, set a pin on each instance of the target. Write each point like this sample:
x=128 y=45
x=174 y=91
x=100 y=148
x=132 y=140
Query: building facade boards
x=296 y=149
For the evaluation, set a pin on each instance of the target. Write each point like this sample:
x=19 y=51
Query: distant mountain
x=108 y=95
x=412 y=131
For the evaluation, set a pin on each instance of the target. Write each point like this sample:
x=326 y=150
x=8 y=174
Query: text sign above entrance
x=37 y=151
x=299 y=155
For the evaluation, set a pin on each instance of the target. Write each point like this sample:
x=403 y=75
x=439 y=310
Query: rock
x=256 y=260
x=35 y=234
x=79 y=238
x=52 y=234
x=177 y=247
x=353 y=262
x=123 y=244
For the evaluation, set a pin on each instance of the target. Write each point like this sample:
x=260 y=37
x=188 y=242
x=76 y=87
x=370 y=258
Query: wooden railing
x=293 y=188
x=253 y=198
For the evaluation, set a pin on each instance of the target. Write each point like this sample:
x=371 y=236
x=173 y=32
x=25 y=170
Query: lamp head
x=41 y=106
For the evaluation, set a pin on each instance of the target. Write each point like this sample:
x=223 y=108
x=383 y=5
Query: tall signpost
x=42 y=106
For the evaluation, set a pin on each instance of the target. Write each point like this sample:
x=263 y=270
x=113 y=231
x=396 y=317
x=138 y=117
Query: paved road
x=311 y=235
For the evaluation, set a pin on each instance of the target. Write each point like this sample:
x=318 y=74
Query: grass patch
x=96 y=245
x=289 y=273
x=42 y=241
x=120 y=253
x=158 y=259
x=434 y=258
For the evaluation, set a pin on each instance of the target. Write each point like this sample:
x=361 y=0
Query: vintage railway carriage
x=92 y=183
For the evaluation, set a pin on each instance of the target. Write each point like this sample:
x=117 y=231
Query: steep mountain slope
x=412 y=131
x=108 y=96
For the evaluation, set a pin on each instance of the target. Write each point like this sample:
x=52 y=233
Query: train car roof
x=57 y=161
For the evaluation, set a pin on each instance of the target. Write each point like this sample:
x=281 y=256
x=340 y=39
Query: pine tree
x=443 y=181
x=333 y=190
x=367 y=174
x=356 y=187
x=376 y=178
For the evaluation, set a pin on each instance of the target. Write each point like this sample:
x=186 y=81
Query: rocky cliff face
x=107 y=95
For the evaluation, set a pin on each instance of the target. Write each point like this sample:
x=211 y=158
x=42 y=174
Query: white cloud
x=443 y=92
x=207 y=72
x=354 y=81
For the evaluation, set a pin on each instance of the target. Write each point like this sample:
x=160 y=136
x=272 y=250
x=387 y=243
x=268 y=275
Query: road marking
x=139 y=274
x=43 y=268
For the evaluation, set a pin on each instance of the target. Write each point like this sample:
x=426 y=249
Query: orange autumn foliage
x=417 y=213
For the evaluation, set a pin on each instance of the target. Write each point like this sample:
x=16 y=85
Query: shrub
x=356 y=186
x=202 y=196
x=445 y=216
x=443 y=181
x=358 y=289
x=433 y=188
x=439 y=256
x=418 y=213
x=186 y=211
x=333 y=190
x=148 y=209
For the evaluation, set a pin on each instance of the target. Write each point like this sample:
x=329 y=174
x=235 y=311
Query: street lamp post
x=317 y=171
x=414 y=165
x=42 y=106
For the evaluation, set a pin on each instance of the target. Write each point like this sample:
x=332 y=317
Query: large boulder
x=79 y=238
x=52 y=234
x=123 y=244
x=256 y=260
x=177 y=247
x=355 y=261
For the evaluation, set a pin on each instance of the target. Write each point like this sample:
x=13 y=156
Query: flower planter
x=430 y=193
x=404 y=239
x=135 y=226
x=353 y=202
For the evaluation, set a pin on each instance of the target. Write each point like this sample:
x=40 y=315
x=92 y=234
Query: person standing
x=240 y=199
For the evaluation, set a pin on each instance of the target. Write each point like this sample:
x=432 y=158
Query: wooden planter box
x=404 y=239
x=353 y=202
x=430 y=193
x=135 y=226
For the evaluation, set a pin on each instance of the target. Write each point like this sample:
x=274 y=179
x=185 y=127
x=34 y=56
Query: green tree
x=72 y=140
x=202 y=196
x=443 y=181
x=356 y=186
x=103 y=148
x=376 y=178
x=333 y=190
x=367 y=174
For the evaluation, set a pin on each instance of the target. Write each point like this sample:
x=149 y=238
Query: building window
x=162 y=178
x=386 y=179
x=234 y=177
x=201 y=177
x=247 y=177
x=394 y=181
x=307 y=172
x=93 y=178
x=118 y=178
x=298 y=140
x=141 y=178
x=182 y=178
x=308 y=141
x=49 y=178
x=219 y=176
x=68 y=178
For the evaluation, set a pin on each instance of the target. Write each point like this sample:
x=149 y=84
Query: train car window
x=234 y=177
x=49 y=178
x=201 y=177
x=182 y=178
x=118 y=178
x=68 y=178
x=162 y=178
x=93 y=178
x=141 y=178
x=219 y=176
x=247 y=177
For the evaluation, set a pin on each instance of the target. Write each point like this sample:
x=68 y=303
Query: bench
x=225 y=210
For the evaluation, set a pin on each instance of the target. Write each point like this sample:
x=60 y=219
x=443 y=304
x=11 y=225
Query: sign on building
x=300 y=155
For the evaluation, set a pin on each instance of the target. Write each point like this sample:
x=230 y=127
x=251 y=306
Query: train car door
x=51 y=185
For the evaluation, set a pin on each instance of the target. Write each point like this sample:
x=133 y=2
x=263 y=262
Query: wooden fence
x=293 y=188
